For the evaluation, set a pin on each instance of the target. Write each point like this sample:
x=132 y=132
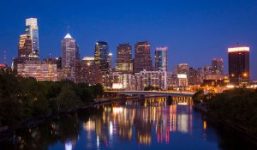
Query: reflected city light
x=89 y=125
x=68 y=145
x=117 y=110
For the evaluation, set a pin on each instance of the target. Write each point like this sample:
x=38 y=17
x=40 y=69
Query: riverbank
x=7 y=133
x=232 y=111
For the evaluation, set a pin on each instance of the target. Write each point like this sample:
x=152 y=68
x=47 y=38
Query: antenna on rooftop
x=5 y=58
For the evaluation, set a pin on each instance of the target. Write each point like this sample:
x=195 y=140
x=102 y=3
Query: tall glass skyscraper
x=102 y=56
x=161 y=58
x=32 y=31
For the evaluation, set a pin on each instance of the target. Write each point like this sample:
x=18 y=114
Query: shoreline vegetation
x=234 y=109
x=25 y=101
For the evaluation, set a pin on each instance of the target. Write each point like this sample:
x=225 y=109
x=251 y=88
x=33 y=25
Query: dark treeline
x=22 y=99
x=237 y=107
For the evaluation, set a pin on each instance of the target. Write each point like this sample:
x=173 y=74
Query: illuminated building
x=182 y=80
x=161 y=58
x=70 y=55
x=3 y=66
x=41 y=71
x=195 y=76
x=217 y=66
x=86 y=71
x=182 y=68
x=156 y=79
x=124 y=59
x=32 y=31
x=25 y=46
x=238 y=64
x=102 y=56
x=123 y=81
x=142 y=59
x=110 y=61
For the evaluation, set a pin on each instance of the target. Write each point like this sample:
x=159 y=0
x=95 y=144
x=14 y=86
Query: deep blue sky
x=194 y=30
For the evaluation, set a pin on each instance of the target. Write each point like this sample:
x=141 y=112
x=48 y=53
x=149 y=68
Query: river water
x=151 y=124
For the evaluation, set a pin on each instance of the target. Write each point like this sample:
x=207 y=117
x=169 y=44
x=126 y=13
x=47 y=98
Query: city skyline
x=159 y=32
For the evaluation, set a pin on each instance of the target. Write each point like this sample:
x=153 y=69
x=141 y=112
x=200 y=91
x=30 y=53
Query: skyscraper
x=161 y=58
x=70 y=54
x=25 y=46
x=124 y=58
x=238 y=63
x=217 y=66
x=32 y=31
x=102 y=55
x=142 y=59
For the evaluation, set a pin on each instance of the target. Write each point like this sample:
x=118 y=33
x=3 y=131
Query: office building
x=142 y=59
x=32 y=32
x=161 y=58
x=124 y=62
x=70 y=55
x=238 y=64
x=102 y=58
x=87 y=71
x=182 y=68
x=217 y=66
x=41 y=71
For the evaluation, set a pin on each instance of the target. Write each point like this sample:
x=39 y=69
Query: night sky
x=194 y=30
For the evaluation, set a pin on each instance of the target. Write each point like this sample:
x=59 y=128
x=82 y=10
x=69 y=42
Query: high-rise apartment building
x=142 y=59
x=161 y=58
x=238 y=64
x=124 y=62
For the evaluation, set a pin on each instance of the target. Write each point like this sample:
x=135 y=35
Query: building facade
x=124 y=62
x=41 y=71
x=217 y=66
x=87 y=71
x=102 y=58
x=70 y=55
x=156 y=79
x=32 y=31
x=142 y=59
x=161 y=58
x=238 y=64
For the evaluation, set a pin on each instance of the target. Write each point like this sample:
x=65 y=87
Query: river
x=149 y=124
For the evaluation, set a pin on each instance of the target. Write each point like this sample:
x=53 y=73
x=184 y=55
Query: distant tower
x=238 y=64
x=161 y=58
x=142 y=59
x=124 y=58
x=32 y=31
x=102 y=55
x=5 y=58
x=70 y=51
x=217 y=66
x=70 y=56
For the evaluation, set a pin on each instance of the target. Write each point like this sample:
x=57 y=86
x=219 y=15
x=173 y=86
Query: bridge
x=153 y=93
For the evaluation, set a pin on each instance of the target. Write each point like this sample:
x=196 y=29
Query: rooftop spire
x=68 y=36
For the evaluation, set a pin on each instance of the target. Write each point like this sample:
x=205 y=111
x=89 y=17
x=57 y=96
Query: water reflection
x=141 y=122
x=155 y=123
